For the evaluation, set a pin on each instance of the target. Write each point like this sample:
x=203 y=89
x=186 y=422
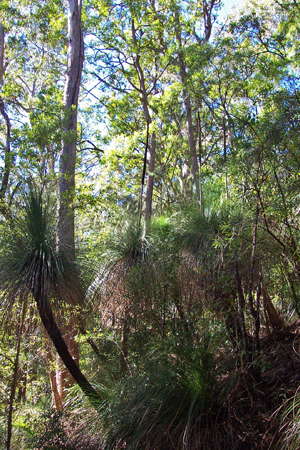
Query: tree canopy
x=149 y=224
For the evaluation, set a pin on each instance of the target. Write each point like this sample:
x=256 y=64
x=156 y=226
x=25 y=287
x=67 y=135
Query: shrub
x=170 y=406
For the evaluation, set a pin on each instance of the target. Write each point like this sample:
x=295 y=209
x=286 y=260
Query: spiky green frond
x=170 y=405
x=33 y=267
x=127 y=242
x=28 y=256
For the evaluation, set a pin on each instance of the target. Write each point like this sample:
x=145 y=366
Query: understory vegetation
x=149 y=225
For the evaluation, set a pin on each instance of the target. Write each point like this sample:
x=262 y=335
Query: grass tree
x=30 y=266
x=126 y=251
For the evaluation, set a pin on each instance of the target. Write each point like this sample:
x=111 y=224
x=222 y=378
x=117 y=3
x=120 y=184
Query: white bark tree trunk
x=192 y=175
x=66 y=239
x=66 y=215
x=150 y=160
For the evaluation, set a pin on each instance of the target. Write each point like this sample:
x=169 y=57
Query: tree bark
x=66 y=239
x=225 y=154
x=2 y=45
x=150 y=151
x=50 y=360
x=66 y=216
x=207 y=8
x=14 y=381
x=193 y=173
x=150 y=180
x=56 y=397
x=8 y=154
x=254 y=309
x=8 y=158
x=193 y=162
x=57 y=339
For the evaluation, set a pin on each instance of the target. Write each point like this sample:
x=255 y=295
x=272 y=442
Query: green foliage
x=48 y=432
x=29 y=251
x=168 y=404
x=127 y=242
x=173 y=315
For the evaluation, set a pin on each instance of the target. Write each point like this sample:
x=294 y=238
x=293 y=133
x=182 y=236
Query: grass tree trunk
x=66 y=236
x=57 y=339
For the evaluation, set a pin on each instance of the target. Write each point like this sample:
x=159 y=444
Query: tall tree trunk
x=150 y=180
x=225 y=154
x=150 y=151
x=14 y=381
x=66 y=240
x=2 y=44
x=193 y=174
x=254 y=308
x=207 y=10
x=193 y=162
x=56 y=397
x=8 y=154
x=201 y=154
x=50 y=361
x=66 y=231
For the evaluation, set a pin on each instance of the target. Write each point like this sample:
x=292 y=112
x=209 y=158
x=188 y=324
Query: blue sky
x=228 y=6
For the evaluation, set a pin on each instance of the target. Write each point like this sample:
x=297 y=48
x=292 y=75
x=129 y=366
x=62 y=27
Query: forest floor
x=261 y=409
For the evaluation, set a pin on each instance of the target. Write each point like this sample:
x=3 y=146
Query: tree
x=8 y=160
x=138 y=49
x=66 y=239
x=32 y=266
x=189 y=126
x=66 y=215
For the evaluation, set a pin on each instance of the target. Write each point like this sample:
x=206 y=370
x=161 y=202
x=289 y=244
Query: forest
x=149 y=225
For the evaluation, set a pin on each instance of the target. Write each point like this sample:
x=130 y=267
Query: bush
x=170 y=406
